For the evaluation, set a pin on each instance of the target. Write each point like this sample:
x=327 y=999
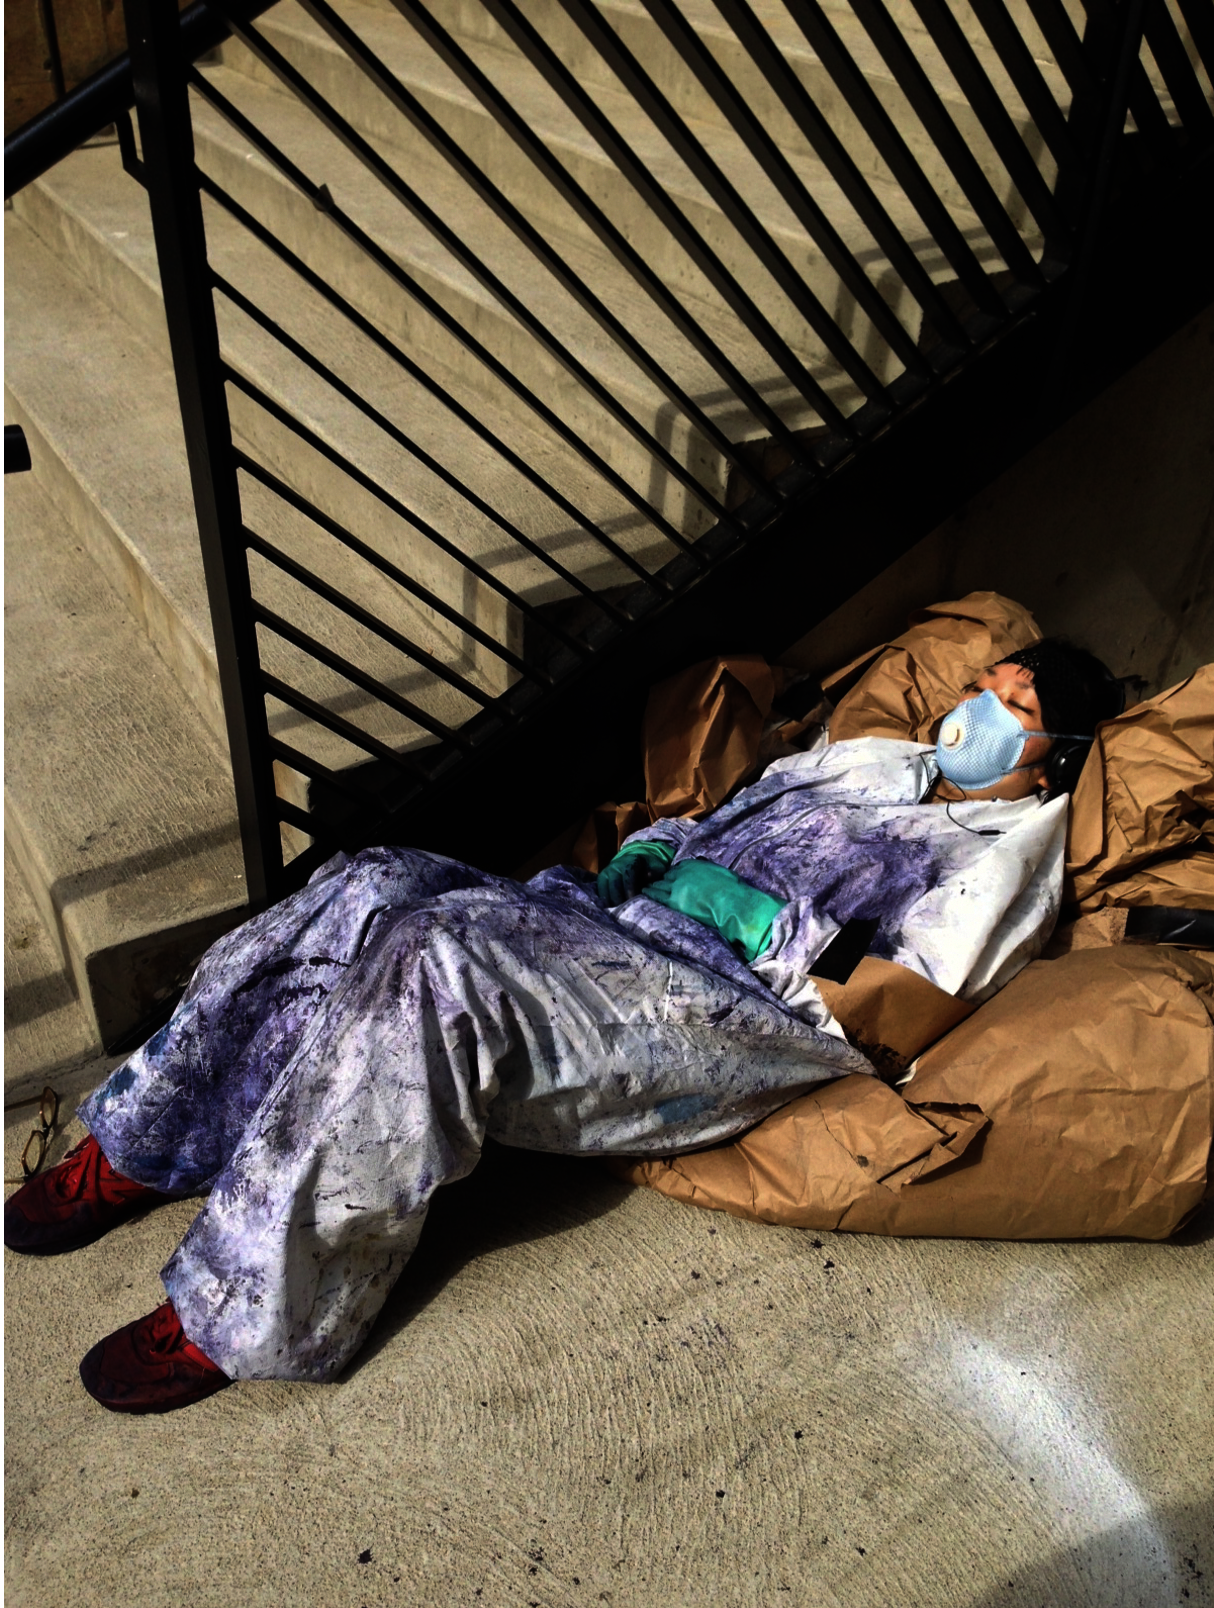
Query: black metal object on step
x=16 y=450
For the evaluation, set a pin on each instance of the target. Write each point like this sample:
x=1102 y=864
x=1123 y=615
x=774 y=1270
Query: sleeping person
x=338 y=1057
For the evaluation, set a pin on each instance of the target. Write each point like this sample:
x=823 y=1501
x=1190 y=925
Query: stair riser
x=119 y=985
x=480 y=137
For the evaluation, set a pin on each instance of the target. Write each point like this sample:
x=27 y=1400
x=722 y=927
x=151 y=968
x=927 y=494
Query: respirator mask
x=981 y=742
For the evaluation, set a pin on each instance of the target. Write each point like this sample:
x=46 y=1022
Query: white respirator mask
x=981 y=742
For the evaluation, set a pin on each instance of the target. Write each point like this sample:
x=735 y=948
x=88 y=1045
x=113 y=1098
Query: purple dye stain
x=849 y=862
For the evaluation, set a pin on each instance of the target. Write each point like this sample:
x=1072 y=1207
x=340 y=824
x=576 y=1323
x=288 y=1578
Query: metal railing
x=811 y=269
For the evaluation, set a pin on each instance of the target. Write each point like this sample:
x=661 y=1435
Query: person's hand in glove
x=716 y=896
x=631 y=870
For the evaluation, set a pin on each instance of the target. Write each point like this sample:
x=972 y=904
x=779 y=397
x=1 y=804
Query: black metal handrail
x=837 y=394
x=81 y=113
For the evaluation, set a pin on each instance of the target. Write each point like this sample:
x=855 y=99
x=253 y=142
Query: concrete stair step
x=88 y=212
x=119 y=812
x=95 y=400
x=461 y=115
x=100 y=412
x=633 y=23
x=230 y=160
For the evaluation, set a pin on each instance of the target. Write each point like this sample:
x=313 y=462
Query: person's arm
x=719 y=898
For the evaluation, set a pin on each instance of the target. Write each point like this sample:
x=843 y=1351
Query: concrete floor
x=581 y=1393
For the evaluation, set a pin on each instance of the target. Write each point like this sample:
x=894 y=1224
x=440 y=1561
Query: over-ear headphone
x=1065 y=761
x=1064 y=764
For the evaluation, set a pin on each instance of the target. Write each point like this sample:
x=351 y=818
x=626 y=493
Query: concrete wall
x=1105 y=531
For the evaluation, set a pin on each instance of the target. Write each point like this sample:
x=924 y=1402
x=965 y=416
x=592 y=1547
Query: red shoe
x=150 y=1367
x=72 y=1204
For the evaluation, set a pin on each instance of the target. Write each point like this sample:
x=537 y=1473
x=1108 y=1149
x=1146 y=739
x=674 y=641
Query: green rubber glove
x=631 y=870
x=716 y=896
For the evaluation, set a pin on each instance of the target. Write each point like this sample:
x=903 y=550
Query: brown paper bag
x=701 y=739
x=1078 y=1102
x=1142 y=818
x=903 y=688
x=702 y=731
x=892 y=1014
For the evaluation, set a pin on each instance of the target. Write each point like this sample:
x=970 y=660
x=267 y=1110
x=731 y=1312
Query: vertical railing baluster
x=158 y=69
x=54 y=62
x=1114 y=52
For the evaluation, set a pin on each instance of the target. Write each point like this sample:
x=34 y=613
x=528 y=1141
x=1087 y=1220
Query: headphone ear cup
x=1064 y=766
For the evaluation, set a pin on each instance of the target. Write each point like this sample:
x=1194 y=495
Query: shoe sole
x=142 y=1409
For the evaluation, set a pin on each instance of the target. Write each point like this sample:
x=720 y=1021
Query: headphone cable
x=985 y=831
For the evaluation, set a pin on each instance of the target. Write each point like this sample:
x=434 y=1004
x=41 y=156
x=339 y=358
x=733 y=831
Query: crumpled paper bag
x=702 y=731
x=1079 y=1102
x=700 y=737
x=1142 y=818
x=905 y=687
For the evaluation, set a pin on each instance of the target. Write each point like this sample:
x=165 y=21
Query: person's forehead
x=1011 y=672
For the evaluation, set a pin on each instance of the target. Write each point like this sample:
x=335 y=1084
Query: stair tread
x=420 y=69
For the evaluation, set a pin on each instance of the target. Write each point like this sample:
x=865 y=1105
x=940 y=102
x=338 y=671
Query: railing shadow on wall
x=379 y=684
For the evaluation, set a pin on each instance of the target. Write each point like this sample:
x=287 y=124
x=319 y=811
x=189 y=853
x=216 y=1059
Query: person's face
x=1012 y=684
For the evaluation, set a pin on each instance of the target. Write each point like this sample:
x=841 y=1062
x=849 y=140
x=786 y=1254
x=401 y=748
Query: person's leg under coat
x=173 y=1113
x=538 y=1019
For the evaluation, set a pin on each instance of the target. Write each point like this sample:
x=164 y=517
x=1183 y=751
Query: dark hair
x=1075 y=690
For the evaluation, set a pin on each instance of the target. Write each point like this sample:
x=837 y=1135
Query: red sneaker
x=72 y=1204
x=150 y=1367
